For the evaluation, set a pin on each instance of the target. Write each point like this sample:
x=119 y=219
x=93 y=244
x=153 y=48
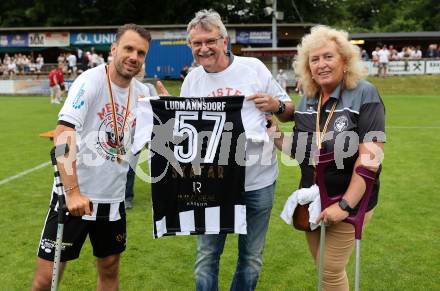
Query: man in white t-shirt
x=40 y=62
x=97 y=122
x=222 y=74
x=71 y=64
x=384 y=58
x=416 y=53
x=375 y=58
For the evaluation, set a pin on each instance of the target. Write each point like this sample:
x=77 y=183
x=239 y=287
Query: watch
x=344 y=206
x=281 y=107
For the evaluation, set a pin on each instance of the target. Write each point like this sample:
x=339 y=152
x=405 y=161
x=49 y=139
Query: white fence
x=24 y=87
x=395 y=68
x=28 y=87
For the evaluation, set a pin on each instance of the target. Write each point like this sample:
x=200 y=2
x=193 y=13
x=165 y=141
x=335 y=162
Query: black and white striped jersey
x=197 y=165
x=100 y=211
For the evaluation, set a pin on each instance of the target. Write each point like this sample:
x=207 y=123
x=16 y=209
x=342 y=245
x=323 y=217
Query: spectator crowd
x=406 y=53
x=20 y=64
x=73 y=63
x=382 y=55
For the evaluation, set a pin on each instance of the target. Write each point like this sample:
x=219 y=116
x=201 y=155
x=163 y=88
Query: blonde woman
x=344 y=114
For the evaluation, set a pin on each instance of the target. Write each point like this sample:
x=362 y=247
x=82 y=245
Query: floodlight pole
x=274 y=37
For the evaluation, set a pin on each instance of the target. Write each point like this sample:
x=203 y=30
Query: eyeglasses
x=209 y=42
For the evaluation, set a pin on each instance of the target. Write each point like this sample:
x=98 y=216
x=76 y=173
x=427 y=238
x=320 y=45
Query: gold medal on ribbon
x=120 y=149
x=320 y=134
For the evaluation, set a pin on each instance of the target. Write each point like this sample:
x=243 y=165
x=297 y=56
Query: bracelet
x=70 y=188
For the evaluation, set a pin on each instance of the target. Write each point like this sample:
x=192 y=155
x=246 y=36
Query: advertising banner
x=399 y=68
x=406 y=68
x=92 y=38
x=254 y=36
x=432 y=67
x=168 y=35
x=182 y=35
x=49 y=39
x=24 y=87
x=7 y=87
x=14 y=40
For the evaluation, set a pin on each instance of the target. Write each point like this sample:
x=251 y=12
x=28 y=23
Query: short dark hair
x=145 y=34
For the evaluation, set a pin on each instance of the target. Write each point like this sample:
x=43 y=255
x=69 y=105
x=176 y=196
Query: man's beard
x=126 y=75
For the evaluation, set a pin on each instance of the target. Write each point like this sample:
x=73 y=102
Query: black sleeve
x=65 y=123
x=371 y=122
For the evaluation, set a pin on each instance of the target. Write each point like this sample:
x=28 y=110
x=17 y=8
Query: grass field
x=400 y=248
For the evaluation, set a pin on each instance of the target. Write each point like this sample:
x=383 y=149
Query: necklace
x=120 y=149
x=319 y=134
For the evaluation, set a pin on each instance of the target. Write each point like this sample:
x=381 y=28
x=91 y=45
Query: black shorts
x=107 y=237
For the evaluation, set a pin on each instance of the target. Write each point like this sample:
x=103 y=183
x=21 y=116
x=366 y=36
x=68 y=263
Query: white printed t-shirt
x=244 y=76
x=101 y=178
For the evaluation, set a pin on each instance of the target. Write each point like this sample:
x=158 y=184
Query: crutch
x=57 y=151
x=357 y=220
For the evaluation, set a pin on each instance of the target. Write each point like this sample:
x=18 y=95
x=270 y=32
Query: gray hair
x=208 y=19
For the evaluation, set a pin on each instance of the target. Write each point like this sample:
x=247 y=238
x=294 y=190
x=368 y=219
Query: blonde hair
x=208 y=19
x=317 y=38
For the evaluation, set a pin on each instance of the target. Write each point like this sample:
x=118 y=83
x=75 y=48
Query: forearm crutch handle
x=323 y=160
x=57 y=151
x=357 y=220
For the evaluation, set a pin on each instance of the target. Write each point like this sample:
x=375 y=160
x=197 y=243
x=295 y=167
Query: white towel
x=254 y=122
x=303 y=196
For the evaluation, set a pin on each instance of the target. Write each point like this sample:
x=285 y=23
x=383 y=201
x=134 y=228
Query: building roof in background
x=395 y=35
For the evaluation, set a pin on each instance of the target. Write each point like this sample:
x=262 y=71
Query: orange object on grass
x=47 y=134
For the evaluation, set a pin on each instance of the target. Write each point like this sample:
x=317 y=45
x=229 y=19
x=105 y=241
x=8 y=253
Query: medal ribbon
x=115 y=124
x=319 y=134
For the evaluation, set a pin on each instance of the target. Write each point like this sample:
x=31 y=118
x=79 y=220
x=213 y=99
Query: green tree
x=425 y=12
x=352 y=15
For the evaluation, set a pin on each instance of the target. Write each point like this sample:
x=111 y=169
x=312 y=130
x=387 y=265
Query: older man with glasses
x=222 y=74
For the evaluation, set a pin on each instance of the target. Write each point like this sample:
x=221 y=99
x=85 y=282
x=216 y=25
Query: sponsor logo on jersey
x=227 y=91
x=122 y=237
x=106 y=146
x=78 y=102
